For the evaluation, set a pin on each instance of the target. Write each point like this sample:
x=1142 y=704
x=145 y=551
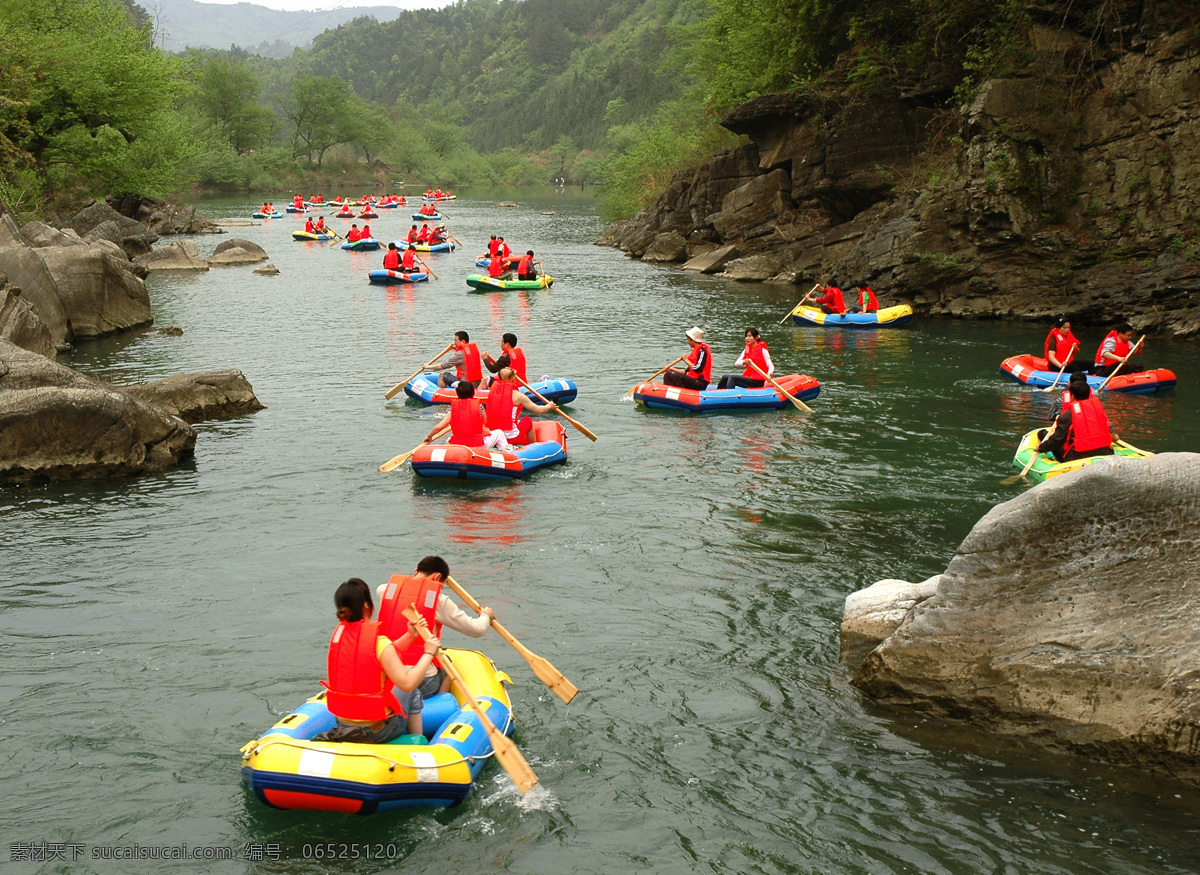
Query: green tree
x=315 y=110
x=228 y=93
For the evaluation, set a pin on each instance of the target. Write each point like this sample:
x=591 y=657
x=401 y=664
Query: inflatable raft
x=660 y=395
x=1034 y=371
x=478 y=463
x=445 y=246
x=295 y=209
x=362 y=244
x=1046 y=466
x=490 y=284
x=427 y=217
x=310 y=236
x=262 y=215
x=889 y=317
x=384 y=276
x=425 y=389
x=369 y=214
x=286 y=768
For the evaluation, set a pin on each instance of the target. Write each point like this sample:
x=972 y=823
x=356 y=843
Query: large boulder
x=181 y=255
x=98 y=288
x=58 y=424
x=163 y=217
x=236 y=250
x=197 y=397
x=39 y=235
x=26 y=269
x=19 y=322
x=1068 y=616
x=101 y=222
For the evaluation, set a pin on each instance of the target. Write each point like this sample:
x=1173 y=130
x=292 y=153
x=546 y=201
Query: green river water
x=687 y=573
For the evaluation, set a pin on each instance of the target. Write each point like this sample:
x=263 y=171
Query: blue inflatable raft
x=425 y=389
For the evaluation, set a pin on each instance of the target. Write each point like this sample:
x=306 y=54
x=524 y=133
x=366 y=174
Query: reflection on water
x=687 y=573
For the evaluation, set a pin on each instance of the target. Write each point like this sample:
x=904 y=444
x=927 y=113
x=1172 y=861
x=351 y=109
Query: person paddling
x=511 y=355
x=1081 y=430
x=699 y=364
x=756 y=351
x=391 y=258
x=1115 y=350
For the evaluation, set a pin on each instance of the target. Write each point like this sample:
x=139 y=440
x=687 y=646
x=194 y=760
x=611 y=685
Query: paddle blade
x=552 y=678
x=395 y=390
x=393 y=464
x=511 y=759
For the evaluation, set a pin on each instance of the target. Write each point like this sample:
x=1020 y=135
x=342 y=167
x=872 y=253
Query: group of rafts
x=289 y=767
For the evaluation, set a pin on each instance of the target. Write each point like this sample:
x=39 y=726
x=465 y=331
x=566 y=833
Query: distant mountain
x=181 y=24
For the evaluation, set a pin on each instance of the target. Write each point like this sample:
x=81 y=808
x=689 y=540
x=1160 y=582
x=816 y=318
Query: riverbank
x=1050 y=193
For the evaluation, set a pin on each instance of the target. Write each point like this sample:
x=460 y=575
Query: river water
x=687 y=573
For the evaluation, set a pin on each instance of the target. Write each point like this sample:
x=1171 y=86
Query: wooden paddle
x=393 y=464
x=629 y=394
x=546 y=673
x=506 y=751
x=390 y=393
x=1126 y=446
x=1050 y=388
x=800 y=405
x=583 y=429
x=457 y=242
x=801 y=304
x=1122 y=364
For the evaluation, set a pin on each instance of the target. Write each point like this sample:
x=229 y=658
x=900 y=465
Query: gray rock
x=713 y=260
x=57 y=424
x=98 y=288
x=26 y=269
x=236 y=250
x=1069 y=616
x=19 y=323
x=180 y=255
x=666 y=247
x=197 y=397
x=872 y=614
x=39 y=234
x=267 y=270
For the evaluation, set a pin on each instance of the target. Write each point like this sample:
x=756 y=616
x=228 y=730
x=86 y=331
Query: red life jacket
x=391 y=259
x=516 y=360
x=357 y=687
x=412 y=235
x=501 y=412
x=353 y=234
x=524 y=264
x=867 y=302
x=466 y=422
x=471 y=368
x=321 y=225
x=833 y=298
x=400 y=592
x=493 y=245
x=423 y=234
x=1120 y=348
x=1089 y=427
x=298 y=201
x=754 y=353
x=366 y=233
x=496 y=265
x=308 y=226
x=706 y=374
x=1063 y=346
x=409 y=260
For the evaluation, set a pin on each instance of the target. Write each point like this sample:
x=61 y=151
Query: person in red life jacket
x=429 y=193
x=504 y=402
x=867 y=302
x=345 y=213
x=511 y=356
x=402 y=200
x=409 y=261
x=320 y=226
x=412 y=234
x=424 y=588
x=498 y=267
x=831 y=301
x=438 y=234
x=391 y=258
x=309 y=227
x=362 y=666
x=437 y=193
x=1115 y=349
x=525 y=267
x=423 y=234
x=465 y=361
x=699 y=364
x=467 y=427
x=504 y=250
x=1081 y=430
x=756 y=351
x=1065 y=396
x=366 y=232
x=298 y=202
x=1062 y=347
x=493 y=245
x=353 y=234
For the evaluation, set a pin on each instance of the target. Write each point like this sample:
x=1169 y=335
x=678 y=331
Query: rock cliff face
x=1068 y=616
x=1068 y=188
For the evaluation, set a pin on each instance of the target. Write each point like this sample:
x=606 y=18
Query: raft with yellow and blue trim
x=1047 y=466
x=286 y=768
x=888 y=317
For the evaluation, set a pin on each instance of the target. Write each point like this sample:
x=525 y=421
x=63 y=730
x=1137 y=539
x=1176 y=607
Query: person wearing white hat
x=699 y=364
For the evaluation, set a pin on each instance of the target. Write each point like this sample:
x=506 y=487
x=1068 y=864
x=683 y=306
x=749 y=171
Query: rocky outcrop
x=19 y=322
x=1068 y=617
x=102 y=222
x=163 y=217
x=58 y=424
x=237 y=250
x=26 y=270
x=180 y=255
x=99 y=288
x=198 y=397
x=872 y=614
x=1066 y=188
